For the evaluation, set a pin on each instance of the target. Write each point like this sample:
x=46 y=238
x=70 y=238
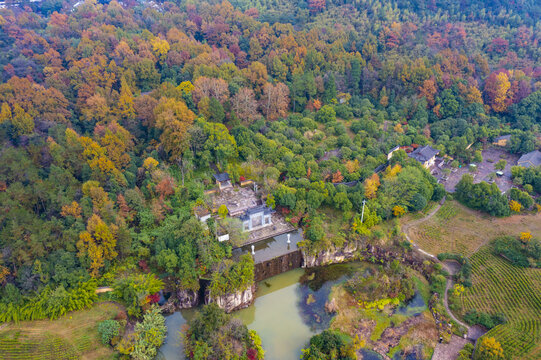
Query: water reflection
x=415 y=306
x=274 y=315
x=273 y=247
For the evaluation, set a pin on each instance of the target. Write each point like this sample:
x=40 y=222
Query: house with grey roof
x=426 y=155
x=223 y=181
x=531 y=159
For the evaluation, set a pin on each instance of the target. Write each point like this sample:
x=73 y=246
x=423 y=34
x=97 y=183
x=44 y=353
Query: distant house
x=202 y=213
x=223 y=181
x=390 y=154
x=426 y=155
x=531 y=159
x=501 y=140
x=256 y=217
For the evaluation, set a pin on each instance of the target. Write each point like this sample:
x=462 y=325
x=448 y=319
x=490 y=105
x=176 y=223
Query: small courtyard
x=244 y=200
x=482 y=172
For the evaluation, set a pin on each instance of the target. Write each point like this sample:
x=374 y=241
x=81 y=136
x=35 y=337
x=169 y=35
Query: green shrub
x=489 y=321
x=108 y=329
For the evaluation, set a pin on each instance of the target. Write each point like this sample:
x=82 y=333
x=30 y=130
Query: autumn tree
x=125 y=104
x=275 y=101
x=337 y=177
x=5 y=113
x=103 y=169
x=210 y=88
x=244 y=105
x=398 y=211
x=316 y=6
x=496 y=89
x=72 y=209
x=22 y=121
x=429 y=91
x=98 y=243
x=515 y=206
x=371 y=186
x=160 y=47
x=489 y=349
x=174 y=119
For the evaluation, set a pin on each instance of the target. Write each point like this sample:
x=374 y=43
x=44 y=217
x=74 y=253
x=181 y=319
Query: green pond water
x=281 y=314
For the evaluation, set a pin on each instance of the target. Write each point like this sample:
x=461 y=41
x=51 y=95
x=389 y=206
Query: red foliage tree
x=316 y=6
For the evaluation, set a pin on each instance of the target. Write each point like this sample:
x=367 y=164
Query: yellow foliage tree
x=371 y=186
x=125 y=101
x=186 y=87
x=4 y=272
x=5 y=113
x=458 y=290
x=525 y=236
x=72 y=209
x=391 y=172
x=398 y=211
x=515 y=206
x=174 y=118
x=22 y=121
x=352 y=166
x=98 y=243
x=489 y=349
x=223 y=211
x=498 y=90
x=150 y=163
x=160 y=47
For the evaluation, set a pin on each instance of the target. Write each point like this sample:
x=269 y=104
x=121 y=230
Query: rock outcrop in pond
x=181 y=299
x=233 y=301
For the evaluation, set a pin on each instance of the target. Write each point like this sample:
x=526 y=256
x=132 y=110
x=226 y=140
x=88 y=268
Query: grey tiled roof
x=257 y=209
x=424 y=153
x=221 y=177
x=530 y=159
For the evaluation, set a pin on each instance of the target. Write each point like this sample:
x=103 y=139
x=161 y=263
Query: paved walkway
x=449 y=351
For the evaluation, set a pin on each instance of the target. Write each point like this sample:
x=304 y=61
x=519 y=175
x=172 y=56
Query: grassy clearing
x=73 y=336
x=455 y=228
x=500 y=287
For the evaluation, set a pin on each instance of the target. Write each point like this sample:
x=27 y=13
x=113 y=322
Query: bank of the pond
x=288 y=310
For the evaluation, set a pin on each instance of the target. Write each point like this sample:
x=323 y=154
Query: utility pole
x=362 y=213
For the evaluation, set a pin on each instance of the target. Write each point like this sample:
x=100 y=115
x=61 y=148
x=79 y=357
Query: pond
x=289 y=309
x=272 y=247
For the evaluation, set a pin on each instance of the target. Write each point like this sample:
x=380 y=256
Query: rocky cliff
x=181 y=299
x=234 y=301
x=331 y=256
x=361 y=251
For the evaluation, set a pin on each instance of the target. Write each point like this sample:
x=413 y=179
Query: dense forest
x=114 y=117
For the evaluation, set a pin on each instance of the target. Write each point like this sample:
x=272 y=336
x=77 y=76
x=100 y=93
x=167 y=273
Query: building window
x=267 y=220
x=246 y=226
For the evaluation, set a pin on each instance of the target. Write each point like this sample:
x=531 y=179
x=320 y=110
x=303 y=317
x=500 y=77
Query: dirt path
x=405 y=229
x=407 y=226
x=450 y=283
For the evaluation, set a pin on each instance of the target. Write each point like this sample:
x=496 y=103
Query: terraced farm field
x=73 y=336
x=455 y=228
x=499 y=287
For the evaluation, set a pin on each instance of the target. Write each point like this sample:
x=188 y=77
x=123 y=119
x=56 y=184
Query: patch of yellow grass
x=73 y=336
x=457 y=229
